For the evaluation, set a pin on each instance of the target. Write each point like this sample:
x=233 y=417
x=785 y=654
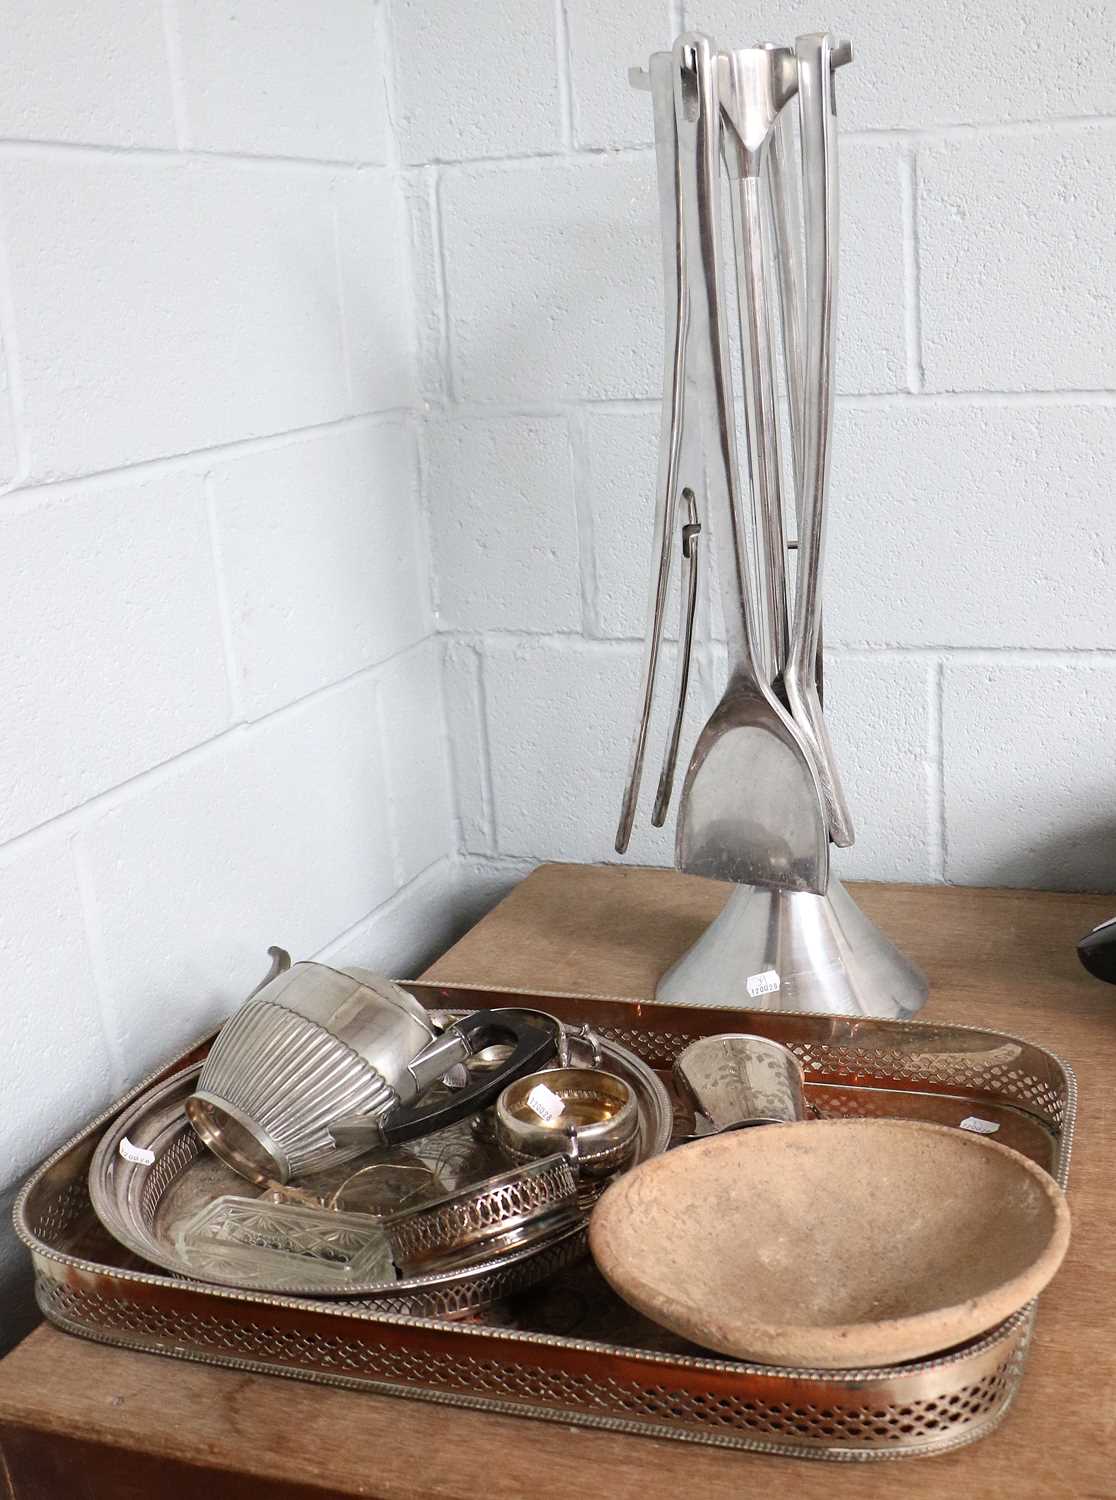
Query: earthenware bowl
x=832 y=1243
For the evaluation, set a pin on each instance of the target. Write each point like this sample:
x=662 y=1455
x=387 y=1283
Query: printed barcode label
x=139 y=1154
x=979 y=1126
x=545 y=1102
x=763 y=984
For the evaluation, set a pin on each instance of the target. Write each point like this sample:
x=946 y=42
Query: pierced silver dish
x=144 y=1203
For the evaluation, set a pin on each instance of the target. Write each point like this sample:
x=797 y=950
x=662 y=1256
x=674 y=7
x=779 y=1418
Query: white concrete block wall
x=971 y=623
x=328 y=412
x=223 y=721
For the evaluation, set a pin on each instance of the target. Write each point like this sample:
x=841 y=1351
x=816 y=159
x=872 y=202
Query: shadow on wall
x=1081 y=857
x=18 y=1313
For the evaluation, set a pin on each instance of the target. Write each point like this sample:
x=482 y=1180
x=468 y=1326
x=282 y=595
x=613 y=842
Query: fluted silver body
x=310 y=1048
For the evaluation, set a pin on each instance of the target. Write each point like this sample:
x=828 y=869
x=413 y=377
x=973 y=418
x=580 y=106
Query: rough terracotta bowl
x=832 y=1242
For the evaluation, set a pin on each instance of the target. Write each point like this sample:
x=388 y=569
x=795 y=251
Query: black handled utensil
x=530 y=1034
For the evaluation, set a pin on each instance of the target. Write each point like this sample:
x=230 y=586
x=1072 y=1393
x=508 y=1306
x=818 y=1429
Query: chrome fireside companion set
x=762 y=798
x=768 y=1211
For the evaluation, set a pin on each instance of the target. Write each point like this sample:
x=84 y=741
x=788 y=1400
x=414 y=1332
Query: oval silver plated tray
x=145 y=1204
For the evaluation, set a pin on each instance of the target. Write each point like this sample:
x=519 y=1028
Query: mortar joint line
x=121 y=793
x=943 y=820
x=457 y=410
x=172 y=46
x=190 y=460
x=1067 y=396
x=588 y=581
x=413 y=196
x=15 y=393
x=420 y=430
x=574 y=641
x=932 y=135
x=912 y=271
x=930 y=767
x=454 y=755
x=389 y=781
x=224 y=605
x=33 y=149
x=342 y=310
x=108 y=1018
x=564 y=65
x=453 y=832
x=546 y=157
x=927 y=135
x=385 y=34
x=488 y=780
x=441 y=283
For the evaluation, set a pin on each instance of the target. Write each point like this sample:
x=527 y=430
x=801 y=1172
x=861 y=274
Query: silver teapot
x=320 y=1065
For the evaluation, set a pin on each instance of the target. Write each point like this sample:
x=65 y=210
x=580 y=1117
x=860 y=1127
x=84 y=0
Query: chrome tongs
x=679 y=456
x=750 y=88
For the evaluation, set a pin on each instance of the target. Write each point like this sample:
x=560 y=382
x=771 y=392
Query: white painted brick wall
x=502 y=523
x=285 y=825
x=113 y=658
x=552 y=280
x=927 y=64
x=601 y=50
x=86 y=73
x=473 y=80
x=979 y=525
x=1028 y=771
x=323 y=558
x=1016 y=248
x=275 y=408
x=223 y=722
x=166 y=305
x=256 y=78
x=378 y=315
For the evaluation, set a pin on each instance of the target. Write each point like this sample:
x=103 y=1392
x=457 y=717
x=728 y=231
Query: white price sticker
x=138 y=1154
x=763 y=984
x=979 y=1126
x=545 y=1102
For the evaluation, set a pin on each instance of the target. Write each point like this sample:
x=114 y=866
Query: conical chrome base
x=783 y=950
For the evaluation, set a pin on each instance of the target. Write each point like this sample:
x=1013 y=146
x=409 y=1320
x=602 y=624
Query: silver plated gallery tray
x=566 y=1350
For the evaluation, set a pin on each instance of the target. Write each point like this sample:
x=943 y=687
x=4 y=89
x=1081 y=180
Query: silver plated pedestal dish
x=792 y=950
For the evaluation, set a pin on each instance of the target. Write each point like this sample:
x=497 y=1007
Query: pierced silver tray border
x=576 y=1416
x=581 y=1418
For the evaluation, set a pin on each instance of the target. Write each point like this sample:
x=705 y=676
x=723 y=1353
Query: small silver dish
x=587 y=1113
x=735 y=1080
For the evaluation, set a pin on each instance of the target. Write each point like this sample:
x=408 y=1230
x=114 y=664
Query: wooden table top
x=85 y=1422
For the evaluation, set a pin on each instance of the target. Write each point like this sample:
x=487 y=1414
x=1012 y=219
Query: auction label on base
x=763 y=984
